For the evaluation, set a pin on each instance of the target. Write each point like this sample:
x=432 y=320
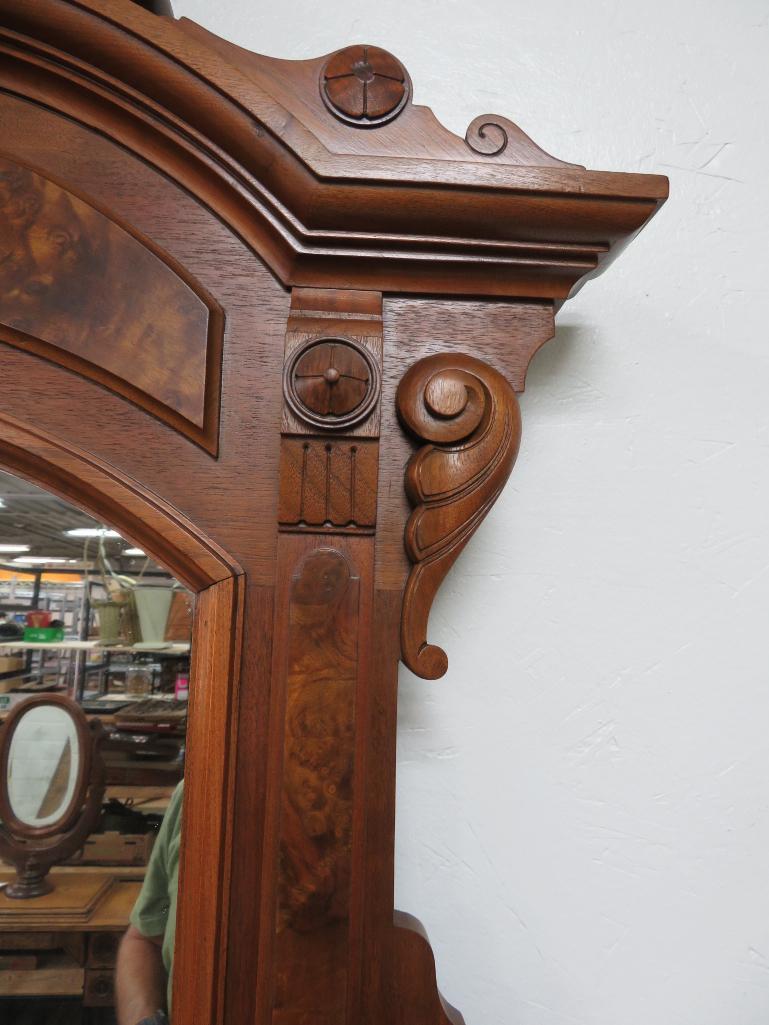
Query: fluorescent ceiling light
x=2 y=503
x=91 y=532
x=14 y=548
x=133 y=551
x=29 y=559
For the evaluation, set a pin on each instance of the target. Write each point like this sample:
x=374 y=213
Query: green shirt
x=154 y=913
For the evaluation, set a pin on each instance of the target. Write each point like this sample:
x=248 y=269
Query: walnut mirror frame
x=279 y=317
x=34 y=849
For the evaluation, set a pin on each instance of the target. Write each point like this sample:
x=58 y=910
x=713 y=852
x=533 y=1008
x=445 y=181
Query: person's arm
x=140 y=978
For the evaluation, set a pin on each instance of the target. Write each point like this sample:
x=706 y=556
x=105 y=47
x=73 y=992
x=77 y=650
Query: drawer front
x=99 y=990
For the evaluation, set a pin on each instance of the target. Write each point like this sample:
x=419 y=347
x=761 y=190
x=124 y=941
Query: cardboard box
x=8 y=664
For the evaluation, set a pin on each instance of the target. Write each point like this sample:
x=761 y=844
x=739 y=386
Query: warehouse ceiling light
x=133 y=551
x=28 y=560
x=14 y=548
x=91 y=532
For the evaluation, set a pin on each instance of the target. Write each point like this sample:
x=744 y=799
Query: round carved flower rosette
x=333 y=383
x=364 y=86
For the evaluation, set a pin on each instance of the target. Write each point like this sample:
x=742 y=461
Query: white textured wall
x=584 y=799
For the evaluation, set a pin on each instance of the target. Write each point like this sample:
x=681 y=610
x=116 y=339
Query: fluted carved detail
x=468 y=414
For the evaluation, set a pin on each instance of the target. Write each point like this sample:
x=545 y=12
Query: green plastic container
x=43 y=634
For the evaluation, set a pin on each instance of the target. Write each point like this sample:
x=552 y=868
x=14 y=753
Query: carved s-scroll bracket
x=469 y=416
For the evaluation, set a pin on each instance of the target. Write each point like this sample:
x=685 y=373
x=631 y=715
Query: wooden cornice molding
x=392 y=202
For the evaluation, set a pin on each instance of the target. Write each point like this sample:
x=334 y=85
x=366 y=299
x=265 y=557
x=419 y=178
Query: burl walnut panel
x=317 y=808
x=316 y=797
x=77 y=288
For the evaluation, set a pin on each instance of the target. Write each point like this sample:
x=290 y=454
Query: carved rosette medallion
x=364 y=86
x=332 y=383
x=468 y=414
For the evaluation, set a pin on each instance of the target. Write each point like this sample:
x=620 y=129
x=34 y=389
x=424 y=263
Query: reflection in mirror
x=51 y=792
x=89 y=619
x=43 y=765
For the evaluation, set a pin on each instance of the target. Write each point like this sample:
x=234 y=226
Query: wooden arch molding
x=201 y=565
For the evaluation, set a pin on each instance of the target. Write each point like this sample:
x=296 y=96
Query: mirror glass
x=43 y=765
x=87 y=615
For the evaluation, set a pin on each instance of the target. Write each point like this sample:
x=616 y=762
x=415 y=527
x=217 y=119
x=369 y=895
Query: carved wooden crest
x=297 y=310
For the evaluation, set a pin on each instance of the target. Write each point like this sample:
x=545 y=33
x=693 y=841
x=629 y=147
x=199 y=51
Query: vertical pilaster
x=312 y=901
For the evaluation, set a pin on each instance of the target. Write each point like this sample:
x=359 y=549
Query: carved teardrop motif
x=468 y=414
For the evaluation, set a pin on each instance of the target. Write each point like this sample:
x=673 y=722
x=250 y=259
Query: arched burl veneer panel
x=78 y=289
x=277 y=305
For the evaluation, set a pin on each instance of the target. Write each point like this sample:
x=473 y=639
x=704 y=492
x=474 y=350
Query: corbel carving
x=469 y=416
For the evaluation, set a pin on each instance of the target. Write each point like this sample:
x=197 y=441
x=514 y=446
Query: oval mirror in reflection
x=43 y=765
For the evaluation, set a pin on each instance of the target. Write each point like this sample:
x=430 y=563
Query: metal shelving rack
x=71 y=654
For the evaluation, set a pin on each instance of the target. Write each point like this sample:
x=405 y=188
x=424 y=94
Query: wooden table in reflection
x=76 y=960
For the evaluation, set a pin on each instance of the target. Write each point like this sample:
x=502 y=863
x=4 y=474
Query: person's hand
x=158 y=1018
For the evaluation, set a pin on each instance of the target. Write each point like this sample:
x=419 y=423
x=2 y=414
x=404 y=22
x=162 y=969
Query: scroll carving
x=468 y=414
x=492 y=136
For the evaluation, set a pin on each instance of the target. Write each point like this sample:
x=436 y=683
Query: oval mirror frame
x=16 y=826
